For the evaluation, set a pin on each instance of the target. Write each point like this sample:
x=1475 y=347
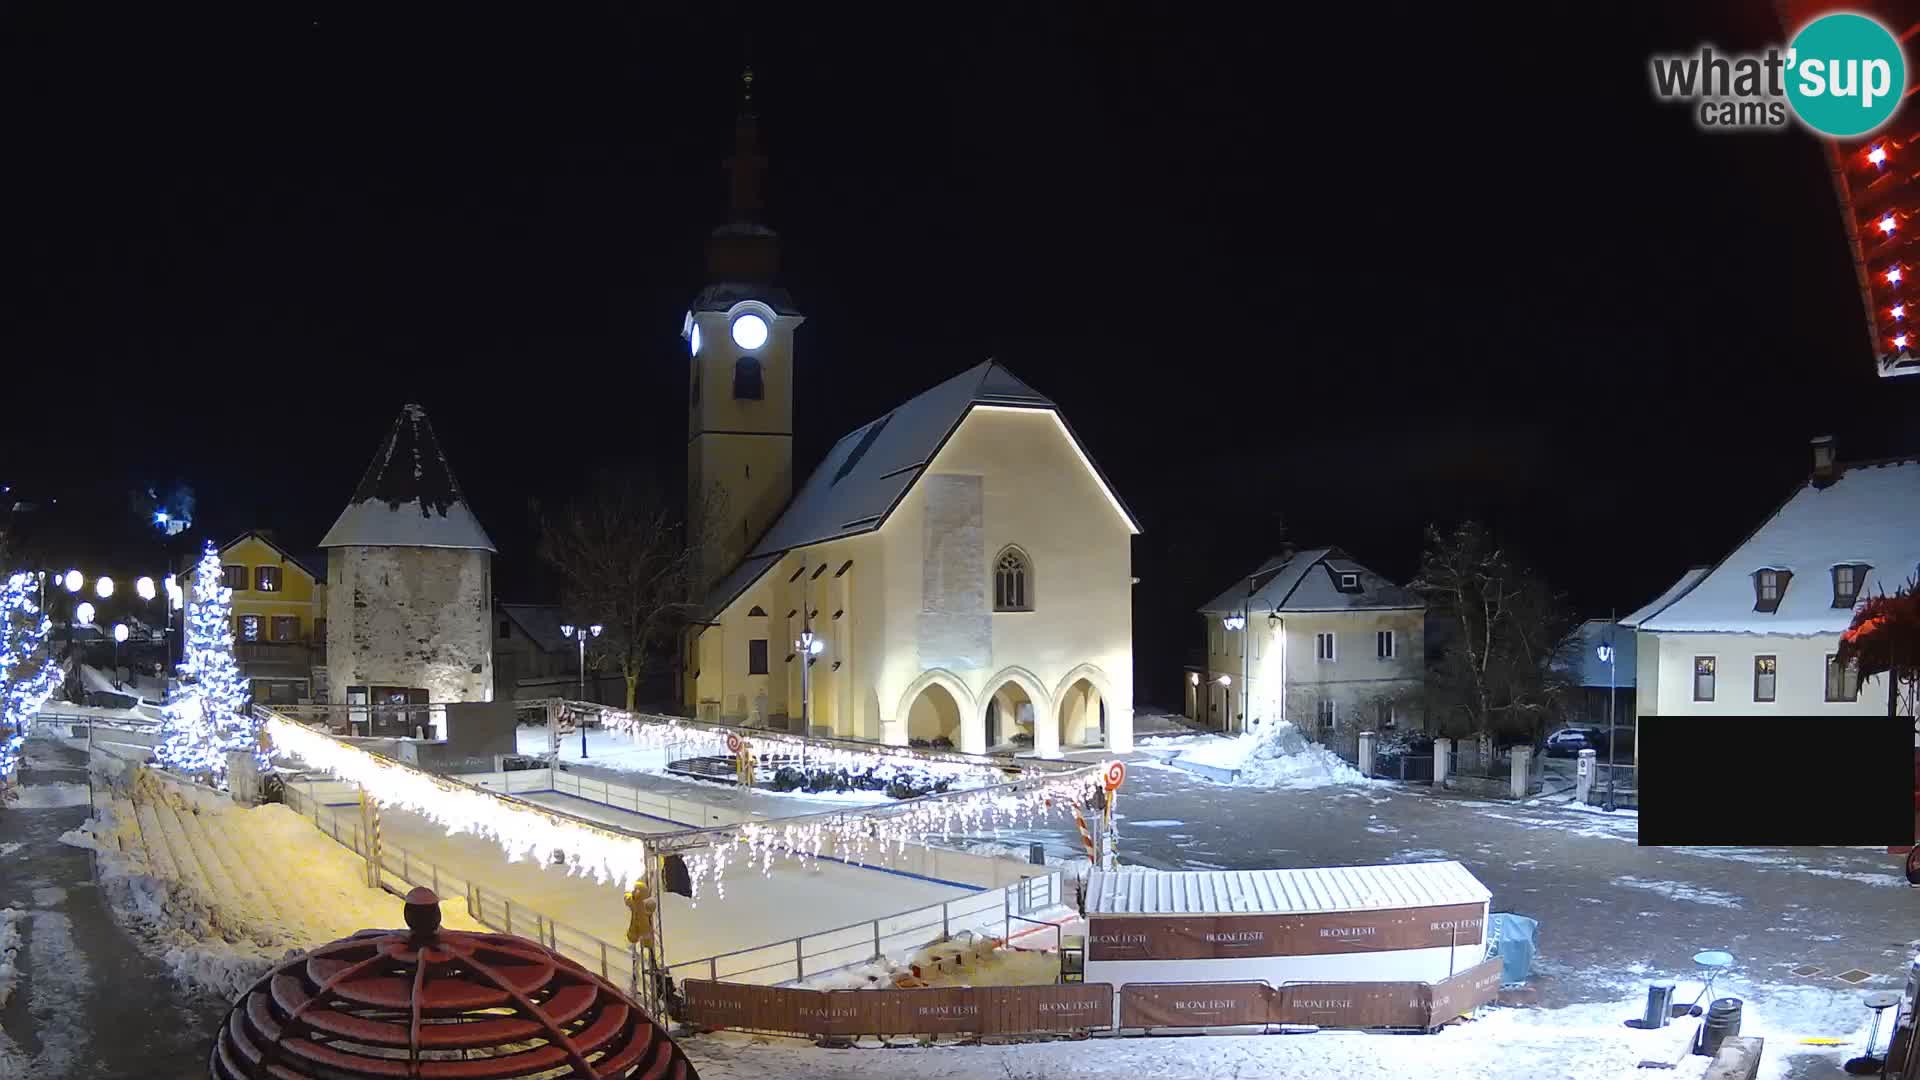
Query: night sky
x=1353 y=270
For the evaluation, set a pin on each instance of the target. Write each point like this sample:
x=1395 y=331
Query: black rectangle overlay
x=1775 y=781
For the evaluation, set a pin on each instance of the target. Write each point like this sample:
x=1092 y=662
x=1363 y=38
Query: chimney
x=1825 y=469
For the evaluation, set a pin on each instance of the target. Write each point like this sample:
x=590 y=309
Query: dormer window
x=1768 y=587
x=1349 y=582
x=1846 y=583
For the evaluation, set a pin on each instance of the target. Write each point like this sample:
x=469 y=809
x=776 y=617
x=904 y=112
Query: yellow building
x=961 y=564
x=279 y=618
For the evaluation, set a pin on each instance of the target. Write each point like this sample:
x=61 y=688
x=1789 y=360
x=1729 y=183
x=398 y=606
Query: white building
x=1756 y=632
x=1315 y=638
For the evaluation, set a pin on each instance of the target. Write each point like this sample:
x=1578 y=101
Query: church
x=957 y=572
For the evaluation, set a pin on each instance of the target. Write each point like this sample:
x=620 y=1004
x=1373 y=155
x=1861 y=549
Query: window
x=286 y=628
x=1846 y=584
x=1703 y=678
x=1323 y=646
x=266 y=578
x=746 y=379
x=1324 y=709
x=506 y=629
x=1349 y=582
x=235 y=578
x=1388 y=718
x=1768 y=587
x=1765 y=669
x=757 y=656
x=1012 y=582
x=248 y=627
x=1843 y=681
x=1383 y=644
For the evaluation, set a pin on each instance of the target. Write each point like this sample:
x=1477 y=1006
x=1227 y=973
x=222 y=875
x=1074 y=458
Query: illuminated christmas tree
x=208 y=715
x=27 y=672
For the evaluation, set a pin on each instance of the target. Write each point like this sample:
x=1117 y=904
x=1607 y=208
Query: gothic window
x=1012 y=581
x=746 y=378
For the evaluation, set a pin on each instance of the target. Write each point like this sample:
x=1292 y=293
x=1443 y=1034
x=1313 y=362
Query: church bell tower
x=739 y=337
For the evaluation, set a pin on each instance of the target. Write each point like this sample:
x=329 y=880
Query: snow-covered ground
x=1579 y=1042
x=10 y=919
x=221 y=892
x=1275 y=756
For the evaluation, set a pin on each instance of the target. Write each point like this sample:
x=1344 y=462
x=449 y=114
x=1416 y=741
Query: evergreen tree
x=208 y=715
x=28 y=674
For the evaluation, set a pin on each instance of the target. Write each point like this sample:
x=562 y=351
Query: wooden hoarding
x=1156 y=1005
x=1006 y=1010
x=1460 y=994
x=1213 y=937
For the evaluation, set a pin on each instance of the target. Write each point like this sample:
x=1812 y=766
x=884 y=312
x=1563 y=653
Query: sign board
x=1004 y=1010
x=1212 y=937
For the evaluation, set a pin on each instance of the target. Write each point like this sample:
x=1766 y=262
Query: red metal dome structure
x=433 y=1003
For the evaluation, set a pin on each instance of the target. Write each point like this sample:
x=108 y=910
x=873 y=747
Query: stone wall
x=412 y=617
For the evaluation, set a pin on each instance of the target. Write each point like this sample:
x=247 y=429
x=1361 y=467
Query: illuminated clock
x=693 y=339
x=749 y=331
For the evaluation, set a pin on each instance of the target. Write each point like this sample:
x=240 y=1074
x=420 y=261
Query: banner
x=1151 y=1005
x=1460 y=994
x=1405 y=1005
x=1213 y=937
x=993 y=1010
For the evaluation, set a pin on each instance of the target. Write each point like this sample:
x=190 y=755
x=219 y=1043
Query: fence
x=402 y=870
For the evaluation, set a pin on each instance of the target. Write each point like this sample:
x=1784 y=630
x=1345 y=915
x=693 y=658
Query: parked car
x=1569 y=741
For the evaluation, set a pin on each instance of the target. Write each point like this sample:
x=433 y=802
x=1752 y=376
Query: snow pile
x=964 y=960
x=10 y=919
x=221 y=892
x=50 y=796
x=1275 y=756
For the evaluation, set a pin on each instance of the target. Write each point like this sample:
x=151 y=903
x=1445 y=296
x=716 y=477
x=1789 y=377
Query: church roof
x=1305 y=581
x=866 y=474
x=408 y=497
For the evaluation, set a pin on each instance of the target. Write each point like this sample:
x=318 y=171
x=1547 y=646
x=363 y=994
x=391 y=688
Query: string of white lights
x=521 y=830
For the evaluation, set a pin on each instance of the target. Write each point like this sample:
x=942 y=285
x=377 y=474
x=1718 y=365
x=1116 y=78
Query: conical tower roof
x=408 y=497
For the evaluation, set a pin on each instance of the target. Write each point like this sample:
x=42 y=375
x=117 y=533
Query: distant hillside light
x=750 y=331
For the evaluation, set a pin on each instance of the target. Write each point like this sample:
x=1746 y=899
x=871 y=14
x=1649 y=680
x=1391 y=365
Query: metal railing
x=620 y=964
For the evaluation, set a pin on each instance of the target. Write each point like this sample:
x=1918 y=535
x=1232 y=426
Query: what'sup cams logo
x=1842 y=75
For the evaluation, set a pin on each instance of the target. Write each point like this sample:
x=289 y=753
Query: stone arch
x=1077 y=716
x=956 y=689
x=1035 y=692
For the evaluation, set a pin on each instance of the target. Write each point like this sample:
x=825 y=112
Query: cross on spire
x=744 y=168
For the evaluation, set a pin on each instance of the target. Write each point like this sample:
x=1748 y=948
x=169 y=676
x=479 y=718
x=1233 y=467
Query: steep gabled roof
x=540 y=622
x=1581 y=662
x=866 y=474
x=315 y=568
x=1674 y=592
x=1869 y=514
x=408 y=497
x=1304 y=581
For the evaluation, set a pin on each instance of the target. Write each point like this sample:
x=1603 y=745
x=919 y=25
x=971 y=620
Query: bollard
x=1522 y=760
x=1442 y=761
x=1366 y=753
x=1583 y=777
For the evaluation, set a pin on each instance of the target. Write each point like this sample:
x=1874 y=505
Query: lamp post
x=581 y=634
x=119 y=635
x=1607 y=655
x=809 y=646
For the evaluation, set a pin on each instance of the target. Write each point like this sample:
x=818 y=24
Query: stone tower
x=409 y=581
x=739 y=336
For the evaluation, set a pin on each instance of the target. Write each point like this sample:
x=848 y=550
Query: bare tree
x=624 y=560
x=1503 y=628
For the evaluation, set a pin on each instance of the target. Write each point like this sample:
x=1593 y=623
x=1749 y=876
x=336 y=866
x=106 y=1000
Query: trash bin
x=1513 y=938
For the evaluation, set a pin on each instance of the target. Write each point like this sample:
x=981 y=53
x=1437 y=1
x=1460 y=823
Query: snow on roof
x=408 y=497
x=1674 y=592
x=1317 y=889
x=1582 y=661
x=866 y=474
x=1305 y=582
x=1869 y=515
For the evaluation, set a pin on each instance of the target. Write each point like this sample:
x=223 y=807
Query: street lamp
x=72 y=580
x=809 y=646
x=103 y=588
x=144 y=587
x=84 y=613
x=119 y=635
x=1607 y=655
x=581 y=634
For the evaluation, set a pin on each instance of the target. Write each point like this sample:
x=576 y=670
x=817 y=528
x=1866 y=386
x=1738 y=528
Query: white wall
x=1664 y=675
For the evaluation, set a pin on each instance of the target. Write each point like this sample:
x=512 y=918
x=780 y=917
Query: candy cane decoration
x=1086 y=837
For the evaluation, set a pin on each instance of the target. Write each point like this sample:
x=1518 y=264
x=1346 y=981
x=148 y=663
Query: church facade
x=955 y=572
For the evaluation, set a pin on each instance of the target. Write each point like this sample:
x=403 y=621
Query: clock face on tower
x=749 y=331
x=693 y=339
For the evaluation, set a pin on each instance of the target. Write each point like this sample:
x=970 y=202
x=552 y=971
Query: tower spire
x=745 y=166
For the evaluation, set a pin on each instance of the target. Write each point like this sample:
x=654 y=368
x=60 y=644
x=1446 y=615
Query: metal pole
x=1613 y=664
x=583 y=694
x=1246 y=661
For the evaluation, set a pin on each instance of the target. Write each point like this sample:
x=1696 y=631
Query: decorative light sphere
x=144 y=587
x=84 y=613
x=119 y=631
x=749 y=331
x=693 y=340
x=816 y=646
x=1226 y=680
x=73 y=581
x=104 y=587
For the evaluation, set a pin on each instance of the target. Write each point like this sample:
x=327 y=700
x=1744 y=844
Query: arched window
x=1012 y=581
x=746 y=378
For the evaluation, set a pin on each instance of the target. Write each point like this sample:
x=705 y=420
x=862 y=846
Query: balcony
x=295 y=659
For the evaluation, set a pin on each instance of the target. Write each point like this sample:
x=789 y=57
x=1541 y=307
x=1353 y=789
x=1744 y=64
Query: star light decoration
x=855 y=836
x=522 y=830
x=27 y=674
